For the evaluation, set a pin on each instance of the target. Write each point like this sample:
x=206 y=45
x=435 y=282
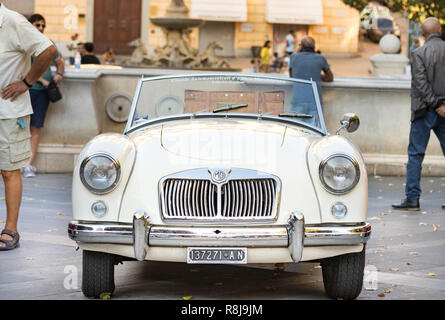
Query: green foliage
x=357 y=4
x=417 y=10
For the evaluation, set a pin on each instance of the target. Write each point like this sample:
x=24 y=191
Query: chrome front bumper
x=294 y=236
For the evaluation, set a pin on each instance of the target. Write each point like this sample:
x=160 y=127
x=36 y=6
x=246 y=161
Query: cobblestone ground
x=406 y=249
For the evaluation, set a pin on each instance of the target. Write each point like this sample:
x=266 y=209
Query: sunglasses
x=38 y=25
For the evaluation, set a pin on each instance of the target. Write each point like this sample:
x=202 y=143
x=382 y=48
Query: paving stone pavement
x=407 y=250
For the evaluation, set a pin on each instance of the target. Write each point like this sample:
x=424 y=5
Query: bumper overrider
x=295 y=235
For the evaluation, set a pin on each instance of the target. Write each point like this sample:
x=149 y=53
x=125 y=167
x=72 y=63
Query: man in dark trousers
x=427 y=107
x=19 y=40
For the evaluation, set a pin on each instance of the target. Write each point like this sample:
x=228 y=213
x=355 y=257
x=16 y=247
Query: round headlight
x=100 y=173
x=339 y=174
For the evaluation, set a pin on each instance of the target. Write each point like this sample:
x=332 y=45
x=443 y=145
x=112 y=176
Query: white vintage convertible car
x=223 y=169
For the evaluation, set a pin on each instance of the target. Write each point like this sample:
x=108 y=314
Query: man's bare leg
x=13 y=197
x=35 y=137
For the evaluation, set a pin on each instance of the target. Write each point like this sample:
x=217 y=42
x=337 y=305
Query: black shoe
x=443 y=206
x=409 y=205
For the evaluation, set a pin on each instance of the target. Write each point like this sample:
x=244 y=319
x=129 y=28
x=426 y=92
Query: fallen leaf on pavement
x=105 y=296
x=394 y=269
x=434 y=228
x=422 y=224
x=59 y=213
x=432 y=274
x=187 y=298
x=381 y=294
x=409 y=263
x=375 y=218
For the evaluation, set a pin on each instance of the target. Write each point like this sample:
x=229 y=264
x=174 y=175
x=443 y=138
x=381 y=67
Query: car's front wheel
x=343 y=275
x=97 y=273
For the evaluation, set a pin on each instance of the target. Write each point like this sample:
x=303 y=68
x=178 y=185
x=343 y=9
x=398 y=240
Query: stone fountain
x=177 y=52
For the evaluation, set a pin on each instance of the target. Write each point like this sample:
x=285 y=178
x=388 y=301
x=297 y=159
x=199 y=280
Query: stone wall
x=340 y=29
x=59 y=27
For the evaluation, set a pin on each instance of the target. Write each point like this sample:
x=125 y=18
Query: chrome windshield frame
x=130 y=128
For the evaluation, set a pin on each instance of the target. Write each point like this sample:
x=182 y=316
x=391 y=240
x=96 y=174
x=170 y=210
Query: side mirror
x=350 y=122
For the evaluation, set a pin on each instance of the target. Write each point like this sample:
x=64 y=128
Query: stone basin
x=176 y=23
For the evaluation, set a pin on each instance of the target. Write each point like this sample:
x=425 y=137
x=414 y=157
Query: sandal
x=10 y=244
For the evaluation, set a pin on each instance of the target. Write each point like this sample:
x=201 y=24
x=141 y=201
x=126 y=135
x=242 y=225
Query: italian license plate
x=217 y=255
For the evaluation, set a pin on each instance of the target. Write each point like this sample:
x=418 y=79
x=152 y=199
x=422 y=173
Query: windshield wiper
x=296 y=115
x=222 y=108
x=229 y=107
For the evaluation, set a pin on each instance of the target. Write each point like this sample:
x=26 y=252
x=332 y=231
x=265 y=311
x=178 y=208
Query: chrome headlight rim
x=354 y=183
x=116 y=165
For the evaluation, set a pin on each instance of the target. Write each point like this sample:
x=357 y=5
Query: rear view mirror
x=350 y=122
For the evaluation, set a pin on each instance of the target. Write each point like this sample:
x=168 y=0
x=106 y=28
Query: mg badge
x=219 y=176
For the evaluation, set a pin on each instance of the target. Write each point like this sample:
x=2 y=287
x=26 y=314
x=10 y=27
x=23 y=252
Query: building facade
x=237 y=25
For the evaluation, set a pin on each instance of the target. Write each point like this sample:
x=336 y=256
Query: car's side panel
x=120 y=148
x=357 y=199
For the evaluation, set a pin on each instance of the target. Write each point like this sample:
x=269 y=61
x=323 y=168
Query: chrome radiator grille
x=245 y=195
x=248 y=198
x=190 y=198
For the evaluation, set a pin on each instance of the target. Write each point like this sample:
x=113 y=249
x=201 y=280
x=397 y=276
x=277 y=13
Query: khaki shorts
x=15 y=144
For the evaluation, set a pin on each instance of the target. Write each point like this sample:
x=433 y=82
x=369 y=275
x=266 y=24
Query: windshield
x=230 y=95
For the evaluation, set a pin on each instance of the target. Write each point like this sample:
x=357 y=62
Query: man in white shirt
x=19 y=40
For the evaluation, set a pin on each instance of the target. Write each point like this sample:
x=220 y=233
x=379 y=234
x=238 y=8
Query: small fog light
x=339 y=210
x=99 y=209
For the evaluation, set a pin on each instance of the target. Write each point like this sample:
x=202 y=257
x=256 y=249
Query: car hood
x=229 y=141
x=272 y=148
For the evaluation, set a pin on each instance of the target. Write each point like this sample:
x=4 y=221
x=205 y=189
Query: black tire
x=343 y=275
x=97 y=273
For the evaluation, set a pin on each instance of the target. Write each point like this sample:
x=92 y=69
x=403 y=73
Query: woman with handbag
x=40 y=98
